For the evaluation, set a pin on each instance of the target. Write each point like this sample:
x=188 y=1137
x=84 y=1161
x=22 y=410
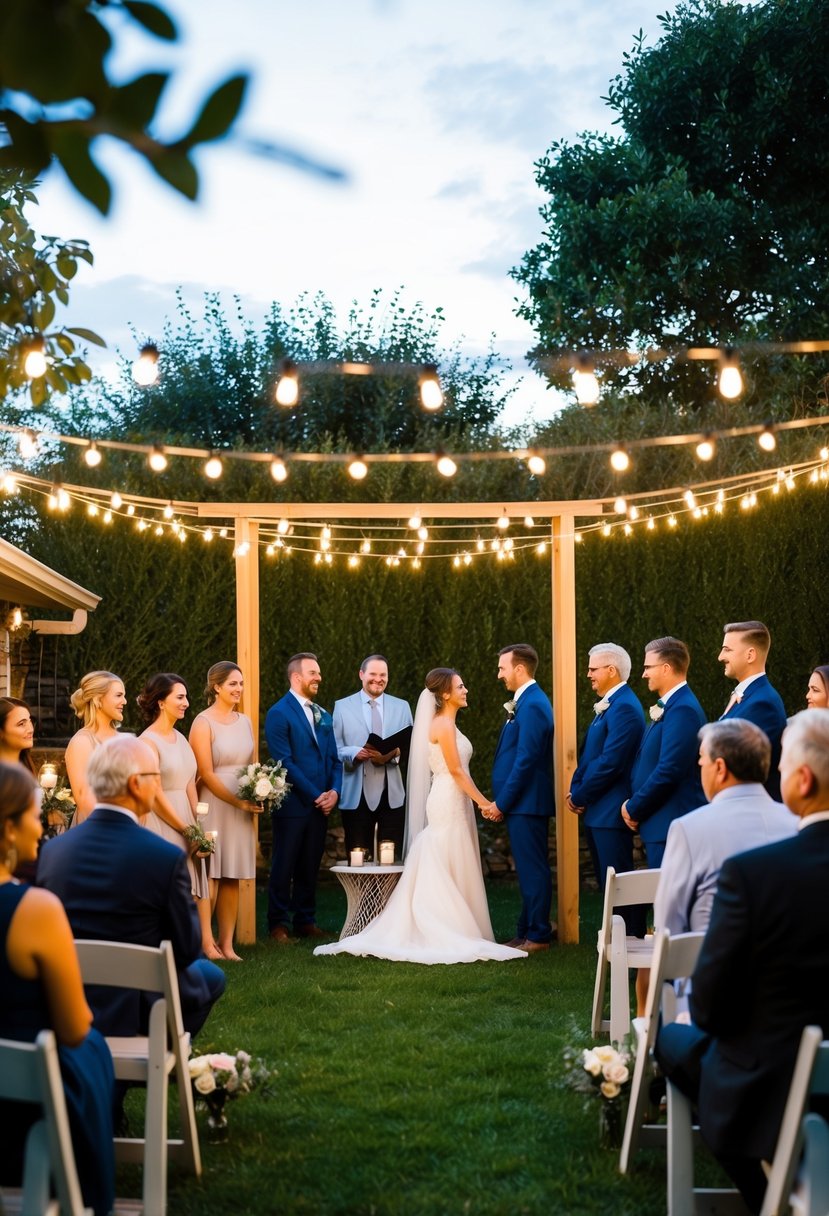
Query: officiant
x=372 y=731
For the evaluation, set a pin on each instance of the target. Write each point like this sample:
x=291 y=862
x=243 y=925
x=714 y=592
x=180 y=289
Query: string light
x=92 y=455
x=633 y=514
x=287 y=386
x=279 y=470
x=767 y=438
x=690 y=499
x=672 y=521
x=422 y=533
x=9 y=483
x=130 y=508
x=107 y=517
x=213 y=468
x=27 y=444
x=365 y=547
x=730 y=381
x=529 y=522
x=358 y=469
x=116 y=501
x=585 y=383
x=414 y=522
x=145 y=367
x=207 y=535
x=283 y=526
x=503 y=521
x=446 y=466
x=431 y=394
x=620 y=506
x=157 y=460
x=705 y=450
x=92 y=509
x=34 y=360
x=537 y=465
x=619 y=460
x=169 y=511
x=824 y=453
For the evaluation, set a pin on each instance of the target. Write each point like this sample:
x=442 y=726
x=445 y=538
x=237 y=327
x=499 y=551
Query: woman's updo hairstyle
x=217 y=674
x=87 y=695
x=439 y=683
x=157 y=689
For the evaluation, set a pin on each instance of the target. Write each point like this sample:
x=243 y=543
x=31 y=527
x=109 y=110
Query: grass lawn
x=407 y=1089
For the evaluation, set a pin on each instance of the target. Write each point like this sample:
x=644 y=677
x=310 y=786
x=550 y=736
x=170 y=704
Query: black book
x=400 y=739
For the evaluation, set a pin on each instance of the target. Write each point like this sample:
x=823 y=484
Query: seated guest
x=40 y=988
x=817 y=694
x=734 y=760
x=761 y=974
x=119 y=883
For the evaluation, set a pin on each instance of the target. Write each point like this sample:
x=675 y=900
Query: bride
x=438 y=912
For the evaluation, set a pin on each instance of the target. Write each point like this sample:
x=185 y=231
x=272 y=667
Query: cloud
x=462 y=188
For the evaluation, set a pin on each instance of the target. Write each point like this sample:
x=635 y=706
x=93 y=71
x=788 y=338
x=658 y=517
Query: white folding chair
x=618 y=952
x=812 y=1195
x=673 y=958
x=150 y=1059
x=810 y=1074
x=30 y=1072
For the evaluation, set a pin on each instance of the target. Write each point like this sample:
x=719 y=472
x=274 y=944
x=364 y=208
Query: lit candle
x=357 y=856
x=202 y=809
x=48 y=776
x=386 y=852
x=374 y=856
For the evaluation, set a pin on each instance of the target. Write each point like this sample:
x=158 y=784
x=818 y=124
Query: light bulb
x=326 y=532
x=63 y=499
x=446 y=466
x=27 y=444
x=283 y=526
x=503 y=521
x=157 y=460
x=213 y=468
x=130 y=508
x=365 y=547
x=353 y=561
x=422 y=533
x=287 y=386
x=168 y=511
x=53 y=499
x=92 y=455
x=824 y=453
x=145 y=367
x=207 y=535
x=414 y=521
x=529 y=522
x=767 y=439
x=705 y=450
x=279 y=470
x=357 y=469
x=34 y=363
x=537 y=465
x=690 y=499
x=619 y=460
x=585 y=384
x=116 y=501
x=431 y=395
x=107 y=517
x=620 y=506
x=633 y=514
x=9 y=483
x=731 y=378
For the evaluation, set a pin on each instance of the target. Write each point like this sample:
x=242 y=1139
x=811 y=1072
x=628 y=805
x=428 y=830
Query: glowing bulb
x=824 y=453
x=168 y=511
x=326 y=532
x=213 y=468
x=159 y=531
x=92 y=509
x=619 y=460
x=107 y=517
x=431 y=396
x=365 y=547
x=671 y=521
x=731 y=378
x=207 y=535
x=790 y=482
x=620 y=506
x=145 y=367
x=17 y=618
x=358 y=469
x=503 y=521
x=92 y=455
x=690 y=499
x=414 y=521
x=767 y=439
x=585 y=384
x=157 y=460
x=446 y=466
x=287 y=386
x=27 y=444
x=279 y=470
x=541 y=547
x=10 y=483
x=456 y=560
x=283 y=526
x=537 y=465
x=325 y=544
x=651 y=523
x=705 y=450
x=130 y=508
x=420 y=546
x=269 y=551
x=628 y=529
x=633 y=514
x=328 y=559
x=479 y=545
x=116 y=501
x=242 y=549
x=353 y=561
x=53 y=499
x=34 y=364
x=606 y=530
x=422 y=533
x=529 y=522
x=467 y=558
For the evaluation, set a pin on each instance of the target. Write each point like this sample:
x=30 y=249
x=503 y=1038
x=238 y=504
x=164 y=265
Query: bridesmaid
x=163 y=703
x=17 y=733
x=817 y=694
x=222 y=739
x=99 y=701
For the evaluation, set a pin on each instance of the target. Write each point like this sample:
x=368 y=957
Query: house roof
x=28 y=582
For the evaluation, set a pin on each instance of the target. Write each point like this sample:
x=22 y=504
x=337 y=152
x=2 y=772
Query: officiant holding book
x=372 y=731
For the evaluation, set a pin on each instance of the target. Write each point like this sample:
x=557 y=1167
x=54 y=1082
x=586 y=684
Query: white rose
x=198 y=1065
x=205 y=1083
x=618 y=1073
x=64 y=795
x=278 y=784
x=243 y=1057
x=221 y=1061
x=263 y=788
x=610 y=1089
x=592 y=1063
x=607 y=1055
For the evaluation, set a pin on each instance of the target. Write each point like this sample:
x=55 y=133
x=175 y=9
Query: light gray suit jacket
x=741 y=817
x=351 y=732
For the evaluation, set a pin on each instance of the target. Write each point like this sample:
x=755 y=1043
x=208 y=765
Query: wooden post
x=247 y=656
x=564 y=708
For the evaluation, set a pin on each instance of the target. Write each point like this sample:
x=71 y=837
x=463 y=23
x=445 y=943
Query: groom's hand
x=494 y=814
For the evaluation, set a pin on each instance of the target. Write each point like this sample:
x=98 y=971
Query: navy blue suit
x=119 y=882
x=665 y=777
x=522 y=786
x=763 y=705
x=299 y=827
x=601 y=783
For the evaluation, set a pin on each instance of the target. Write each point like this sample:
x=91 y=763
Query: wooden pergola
x=562 y=516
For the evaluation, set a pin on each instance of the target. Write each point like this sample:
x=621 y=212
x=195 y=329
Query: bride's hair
x=439 y=682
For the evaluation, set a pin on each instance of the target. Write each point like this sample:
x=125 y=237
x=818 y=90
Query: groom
x=522 y=785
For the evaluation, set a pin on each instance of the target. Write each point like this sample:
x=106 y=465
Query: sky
x=435 y=109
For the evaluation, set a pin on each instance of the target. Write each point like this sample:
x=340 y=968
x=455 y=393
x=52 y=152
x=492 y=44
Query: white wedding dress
x=438 y=912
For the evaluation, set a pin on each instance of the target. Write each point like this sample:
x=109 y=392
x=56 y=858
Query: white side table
x=367 y=889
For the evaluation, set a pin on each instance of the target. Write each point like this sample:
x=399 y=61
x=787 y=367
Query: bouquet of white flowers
x=219 y=1076
x=602 y=1070
x=57 y=806
x=264 y=783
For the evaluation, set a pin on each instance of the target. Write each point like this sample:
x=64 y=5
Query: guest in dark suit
x=744 y=652
x=761 y=975
x=665 y=778
x=522 y=785
x=120 y=883
x=301 y=735
x=601 y=783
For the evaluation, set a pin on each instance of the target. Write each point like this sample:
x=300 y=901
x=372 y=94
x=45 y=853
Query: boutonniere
x=656 y=712
x=509 y=706
x=601 y=706
x=318 y=715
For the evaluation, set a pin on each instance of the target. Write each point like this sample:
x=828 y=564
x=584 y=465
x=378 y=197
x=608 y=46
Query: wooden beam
x=334 y=512
x=564 y=708
x=247 y=656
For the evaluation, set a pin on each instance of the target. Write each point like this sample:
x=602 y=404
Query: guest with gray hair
x=734 y=758
x=119 y=883
x=601 y=783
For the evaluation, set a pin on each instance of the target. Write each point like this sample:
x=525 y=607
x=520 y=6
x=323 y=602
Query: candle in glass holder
x=386 y=852
x=357 y=856
x=48 y=775
x=202 y=808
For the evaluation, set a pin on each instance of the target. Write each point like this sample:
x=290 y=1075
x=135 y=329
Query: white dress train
x=438 y=911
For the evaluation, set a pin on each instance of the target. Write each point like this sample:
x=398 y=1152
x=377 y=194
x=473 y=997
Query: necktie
x=309 y=705
x=730 y=705
x=374 y=778
x=661 y=703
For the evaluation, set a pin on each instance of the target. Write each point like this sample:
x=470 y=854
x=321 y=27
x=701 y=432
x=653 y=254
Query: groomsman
x=373 y=792
x=744 y=652
x=601 y=783
x=665 y=778
x=301 y=735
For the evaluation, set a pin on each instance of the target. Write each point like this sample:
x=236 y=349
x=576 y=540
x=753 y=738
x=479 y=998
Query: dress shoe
x=279 y=934
x=310 y=931
x=534 y=947
x=515 y=943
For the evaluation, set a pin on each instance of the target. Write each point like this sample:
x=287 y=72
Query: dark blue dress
x=87 y=1079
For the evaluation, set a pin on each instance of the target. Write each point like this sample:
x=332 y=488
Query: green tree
x=706 y=221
